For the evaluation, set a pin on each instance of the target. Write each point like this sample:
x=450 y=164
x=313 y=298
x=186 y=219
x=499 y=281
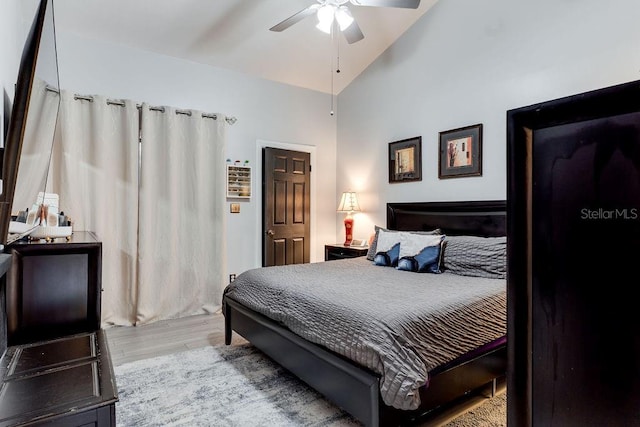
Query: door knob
x=270 y=233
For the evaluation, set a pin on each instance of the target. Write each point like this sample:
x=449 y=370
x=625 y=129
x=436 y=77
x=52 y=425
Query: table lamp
x=348 y=204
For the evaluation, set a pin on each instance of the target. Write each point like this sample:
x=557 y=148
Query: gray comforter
x=399 y=324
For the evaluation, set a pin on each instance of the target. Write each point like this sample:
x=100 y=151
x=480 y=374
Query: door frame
x=311 y=149
x=602 y=103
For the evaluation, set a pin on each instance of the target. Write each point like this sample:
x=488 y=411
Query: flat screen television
x=38 y=69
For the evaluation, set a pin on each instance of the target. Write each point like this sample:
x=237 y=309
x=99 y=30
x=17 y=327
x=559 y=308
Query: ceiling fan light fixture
x=325 y=18
x=344 y=17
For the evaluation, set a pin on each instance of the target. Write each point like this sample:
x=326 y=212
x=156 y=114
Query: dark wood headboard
x=474 y=218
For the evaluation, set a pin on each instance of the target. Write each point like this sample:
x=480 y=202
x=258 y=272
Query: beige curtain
x=181 y=246
x=157 y=206
x=95 y=172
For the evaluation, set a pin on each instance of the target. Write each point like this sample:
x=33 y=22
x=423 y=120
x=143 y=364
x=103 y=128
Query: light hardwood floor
x=129 y=343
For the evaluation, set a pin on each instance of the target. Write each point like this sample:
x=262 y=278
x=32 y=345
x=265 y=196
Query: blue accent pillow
x=388 y=258
x=426 y=261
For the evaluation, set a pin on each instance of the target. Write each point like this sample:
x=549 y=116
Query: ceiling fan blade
x=353 y=33
x=407 y=4
x=293 y=19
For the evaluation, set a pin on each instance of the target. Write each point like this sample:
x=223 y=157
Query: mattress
x=399 y=324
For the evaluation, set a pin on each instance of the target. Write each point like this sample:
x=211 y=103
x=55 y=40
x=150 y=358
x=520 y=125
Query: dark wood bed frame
x=352 y=387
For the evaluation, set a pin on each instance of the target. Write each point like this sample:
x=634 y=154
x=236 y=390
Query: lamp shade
x=348 y=202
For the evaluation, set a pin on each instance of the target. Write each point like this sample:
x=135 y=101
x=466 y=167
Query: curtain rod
x=231 y=120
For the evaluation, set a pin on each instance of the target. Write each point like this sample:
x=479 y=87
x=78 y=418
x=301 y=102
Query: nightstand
x=332 y=252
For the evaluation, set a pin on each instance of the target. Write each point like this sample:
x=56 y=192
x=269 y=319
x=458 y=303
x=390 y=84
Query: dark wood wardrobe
x=574 y=250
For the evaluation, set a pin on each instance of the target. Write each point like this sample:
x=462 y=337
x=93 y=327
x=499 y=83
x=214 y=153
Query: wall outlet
x=232 y=277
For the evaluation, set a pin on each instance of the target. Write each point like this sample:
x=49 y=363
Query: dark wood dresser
x=56 y=370
x=54 y=289
x=62 y=382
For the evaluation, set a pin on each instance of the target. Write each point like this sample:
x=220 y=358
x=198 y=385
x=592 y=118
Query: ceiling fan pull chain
x=332 y=38
x=338 y=55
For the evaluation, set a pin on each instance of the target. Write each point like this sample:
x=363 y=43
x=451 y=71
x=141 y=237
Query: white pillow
x=387 y=239
x=412 y=244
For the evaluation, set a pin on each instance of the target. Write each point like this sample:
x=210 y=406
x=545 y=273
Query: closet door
x=574 y=240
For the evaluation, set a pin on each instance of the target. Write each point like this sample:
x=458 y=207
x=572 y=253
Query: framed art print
x=460 y=152
x=405 y=160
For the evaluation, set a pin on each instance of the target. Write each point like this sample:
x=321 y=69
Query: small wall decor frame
x=405 y=160
x=238 y=182
x=461 y=152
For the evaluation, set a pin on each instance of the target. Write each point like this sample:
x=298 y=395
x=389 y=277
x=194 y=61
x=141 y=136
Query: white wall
x=265 y=111
x=468 y=62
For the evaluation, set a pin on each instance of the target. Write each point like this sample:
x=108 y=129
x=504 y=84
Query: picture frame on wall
x=405 y=160
x=460 y=152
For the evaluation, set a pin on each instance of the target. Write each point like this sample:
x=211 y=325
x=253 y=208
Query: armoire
x=573 y=203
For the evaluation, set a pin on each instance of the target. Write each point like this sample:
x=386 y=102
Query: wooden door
x=285 y=200
x=574 y=230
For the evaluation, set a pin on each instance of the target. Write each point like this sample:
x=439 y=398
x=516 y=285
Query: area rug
x=492 y=413
x=221 y=386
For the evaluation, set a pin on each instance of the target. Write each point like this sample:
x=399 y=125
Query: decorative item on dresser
x=333 y=252
x=348 y=204
x=356 y=294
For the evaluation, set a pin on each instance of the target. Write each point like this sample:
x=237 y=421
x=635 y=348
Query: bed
x=386 y=358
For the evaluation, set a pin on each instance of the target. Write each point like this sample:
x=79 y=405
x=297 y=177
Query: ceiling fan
x=329 y=11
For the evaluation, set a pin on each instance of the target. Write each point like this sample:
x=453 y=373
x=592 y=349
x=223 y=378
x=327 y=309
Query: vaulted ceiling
x=234 y=34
